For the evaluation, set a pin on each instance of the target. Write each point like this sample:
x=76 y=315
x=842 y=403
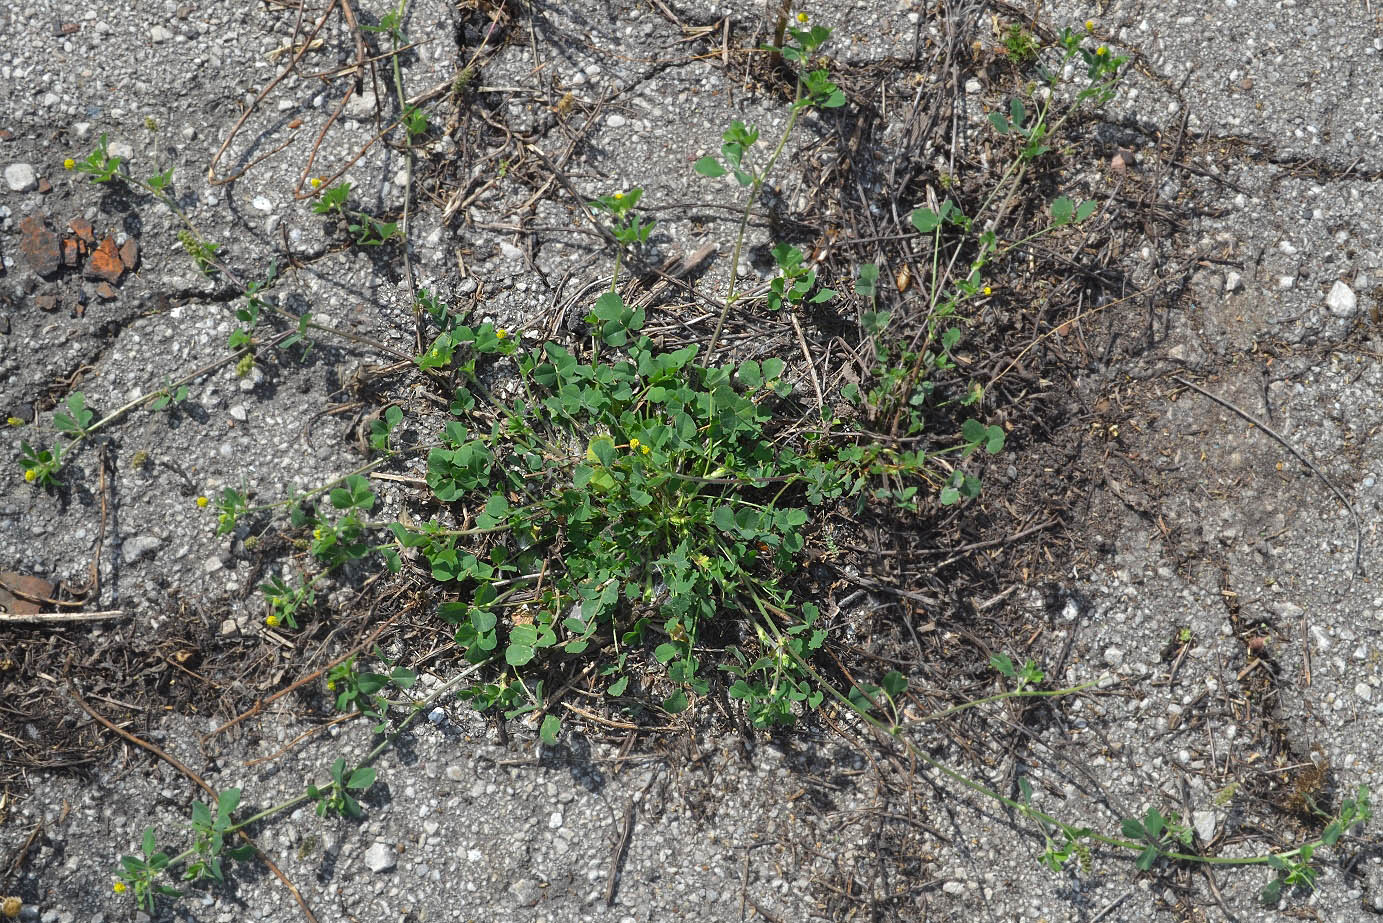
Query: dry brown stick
x=1358 y=527
x=258 y=706
x=51 y=617
x=626 y=830
x=235 y=129
x=300 y=738
x=807 y=356
x=200 y=782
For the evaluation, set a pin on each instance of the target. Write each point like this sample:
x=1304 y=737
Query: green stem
x=1024 y=809
x=754 y=189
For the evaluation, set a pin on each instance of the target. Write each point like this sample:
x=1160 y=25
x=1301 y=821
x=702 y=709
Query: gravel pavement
x=1226 y=617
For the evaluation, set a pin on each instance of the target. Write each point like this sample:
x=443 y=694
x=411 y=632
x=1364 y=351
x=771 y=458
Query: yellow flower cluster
x=69 y=164
x=119 y=887
x=271 y=620
x=202 y=502
x=30 y=475
x=636 y=446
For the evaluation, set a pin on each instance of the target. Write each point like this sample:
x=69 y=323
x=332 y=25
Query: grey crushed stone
x=20 y=177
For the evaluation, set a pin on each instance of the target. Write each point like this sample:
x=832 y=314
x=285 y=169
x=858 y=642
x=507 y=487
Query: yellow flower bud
x=271 y=620
x=315 y=182
x=1101 y=51
x=202 y=502
x=988 y=290
x=30 y=475
x=501 y=333
x=119 y=887
x=69 y=164
x=802 y=18
x=1090 y=25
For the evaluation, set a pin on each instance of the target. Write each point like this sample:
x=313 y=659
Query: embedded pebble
x=1341 y=300
x=132 y=549
x=262 y=203
x=20 y=177
x=237 y=412
x=381 y=857
x=1204 y=822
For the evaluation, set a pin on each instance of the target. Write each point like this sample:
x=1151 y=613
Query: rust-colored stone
x=47 y=302
x=129 y=254
x=106 y=291
x=70 y=253
x=104 y=263
x=83 y=229
x=39 y=246
x=44 y=187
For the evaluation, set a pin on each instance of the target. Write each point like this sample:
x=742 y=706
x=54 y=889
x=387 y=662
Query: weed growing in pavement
x=617 y=505
x=737 y=156
x=365 y=229
x=1021 y=46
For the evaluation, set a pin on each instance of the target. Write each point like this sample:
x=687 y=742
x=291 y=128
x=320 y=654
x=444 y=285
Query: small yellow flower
x=618 y=196
x=315 y=182
x=203 y=501
x=30 y=474
x=331 y=685
x=271 y=620
x=119 y=887
x=1090 y=25
x=501 y=333
x=988 y=290
x=317 y=534
x=802 y=18
x=69 y=164
x=15 y=421
x=1101 y=51
x=644 y=449
x=634 y=444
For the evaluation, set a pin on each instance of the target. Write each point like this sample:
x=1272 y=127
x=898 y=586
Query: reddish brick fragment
x=129 y=254
x=70 y=253
x=39 y=246
x=104 y=263
x=83 y=229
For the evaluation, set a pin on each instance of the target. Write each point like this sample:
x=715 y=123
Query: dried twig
x=58 y=617
x=1358 y=527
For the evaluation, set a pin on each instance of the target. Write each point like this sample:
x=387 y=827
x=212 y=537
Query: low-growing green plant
x=1021 y=45
x=169 y=396
x=361 y=691
x=627 y=226
x=365 y=229
x=814 y=90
